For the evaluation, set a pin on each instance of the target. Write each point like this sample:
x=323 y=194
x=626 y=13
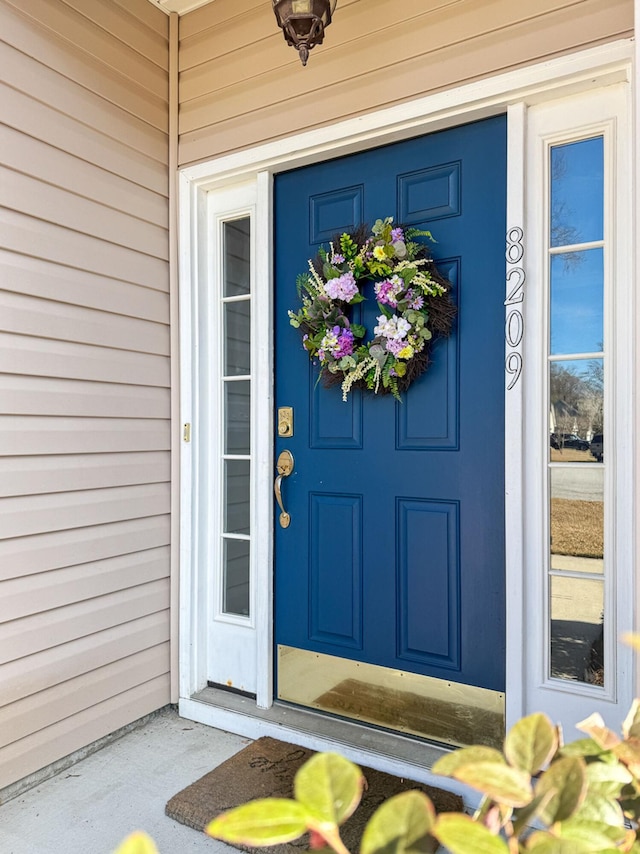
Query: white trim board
x=371 y=756
x=512 y=92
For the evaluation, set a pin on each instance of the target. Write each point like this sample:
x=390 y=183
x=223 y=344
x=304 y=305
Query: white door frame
x=512 y=92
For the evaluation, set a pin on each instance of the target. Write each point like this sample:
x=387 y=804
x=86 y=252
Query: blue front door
x=395 y=551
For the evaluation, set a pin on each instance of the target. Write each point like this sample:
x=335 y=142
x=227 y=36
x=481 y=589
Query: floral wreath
x=413 y=298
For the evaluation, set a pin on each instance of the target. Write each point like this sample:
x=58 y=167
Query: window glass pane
x=576 y=410
x=577 y=192
x=237 y=257
x=237 y=495
x=236 y=577
x=577 y=519
x=237 y=338
x=237 y=417
x=577 y=629
x=577 y=295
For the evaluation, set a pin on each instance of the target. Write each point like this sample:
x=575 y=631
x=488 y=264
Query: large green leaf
x=567 y=780
x=460 y=834
x=592 y=833
x=582 y=747
x=545 y=843
x=531 y=743
x=401 y=825
x=270 y=821
x=504 y=784
x=447 y=765
x=595 y=807
x=137 y=843
x=329 y=787
x=607 y=779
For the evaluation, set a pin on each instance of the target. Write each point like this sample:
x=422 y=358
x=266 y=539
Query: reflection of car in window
x=568 y=440
x=597 y=447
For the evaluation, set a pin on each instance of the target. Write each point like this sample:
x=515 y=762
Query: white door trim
x=510 y=92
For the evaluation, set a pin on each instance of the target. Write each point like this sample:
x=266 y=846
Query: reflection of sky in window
x=577 y=302
x=577 y=192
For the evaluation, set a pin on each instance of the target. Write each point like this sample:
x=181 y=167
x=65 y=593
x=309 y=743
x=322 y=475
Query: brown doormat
x=265 y=769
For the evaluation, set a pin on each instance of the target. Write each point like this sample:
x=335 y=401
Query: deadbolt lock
x=285 y=422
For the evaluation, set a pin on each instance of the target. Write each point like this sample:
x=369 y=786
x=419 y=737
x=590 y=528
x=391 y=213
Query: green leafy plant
x=538 y=795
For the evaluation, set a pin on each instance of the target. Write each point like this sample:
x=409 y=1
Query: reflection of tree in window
x=577 y=399
x=562 y=232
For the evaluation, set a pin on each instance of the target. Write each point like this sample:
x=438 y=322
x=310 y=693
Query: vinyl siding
x=240 y=85
x=85 y=395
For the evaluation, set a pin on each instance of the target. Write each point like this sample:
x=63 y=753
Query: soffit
x=179 y=6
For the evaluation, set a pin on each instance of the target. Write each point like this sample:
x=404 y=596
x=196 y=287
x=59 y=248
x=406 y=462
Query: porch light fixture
x=303 y=22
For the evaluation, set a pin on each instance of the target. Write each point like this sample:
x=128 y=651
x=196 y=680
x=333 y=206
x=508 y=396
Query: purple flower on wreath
x=337 y=258
x=337 y=343
x=414 y=301
x=387 y=291
x=393 y=346
x=342 y=287
x=345 y=344
x=397 y=234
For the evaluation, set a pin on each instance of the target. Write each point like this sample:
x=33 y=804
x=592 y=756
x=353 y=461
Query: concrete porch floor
x=90 y=807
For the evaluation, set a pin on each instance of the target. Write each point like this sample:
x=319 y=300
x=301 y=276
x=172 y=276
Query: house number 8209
x=514 y=322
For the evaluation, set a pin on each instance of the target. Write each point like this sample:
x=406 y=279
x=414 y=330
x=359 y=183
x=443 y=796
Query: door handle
x=284 y=468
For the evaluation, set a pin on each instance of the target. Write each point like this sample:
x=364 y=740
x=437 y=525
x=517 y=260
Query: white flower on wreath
x=394 y=328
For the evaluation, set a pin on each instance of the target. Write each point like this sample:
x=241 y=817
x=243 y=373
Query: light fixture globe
x=303 y=22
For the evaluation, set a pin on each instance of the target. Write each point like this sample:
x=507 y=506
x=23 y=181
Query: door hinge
x=186 y=433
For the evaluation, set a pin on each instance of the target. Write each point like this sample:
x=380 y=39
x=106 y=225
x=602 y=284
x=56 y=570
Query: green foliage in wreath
x=413 y=299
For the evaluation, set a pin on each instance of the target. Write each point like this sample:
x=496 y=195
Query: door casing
x=512 y=91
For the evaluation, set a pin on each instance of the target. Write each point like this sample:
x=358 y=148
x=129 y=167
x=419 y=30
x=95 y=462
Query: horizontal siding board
x=148 y=15
x=36 y=712
x=42 y=122
x=60 y=38
x=47 y=164
x=74 y=472
x=23 y=757
x=21 y=556
x=34 y=594
x=41 y=357
x=358 y=81
x=127 y=28
x=32 y=78
x=24 y=395
x=21 y=638
x=202 y=21
x=33 y=435
x=38 y=239
x=67 y=210
x=59 y=664
x=22 y=516
x=24 y=315
x=24 y=275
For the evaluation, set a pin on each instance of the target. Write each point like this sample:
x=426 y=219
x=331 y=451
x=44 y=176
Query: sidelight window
x=577 y=417
x=235 y=379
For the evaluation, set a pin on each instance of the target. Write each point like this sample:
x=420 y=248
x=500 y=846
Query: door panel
x=395 y=552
